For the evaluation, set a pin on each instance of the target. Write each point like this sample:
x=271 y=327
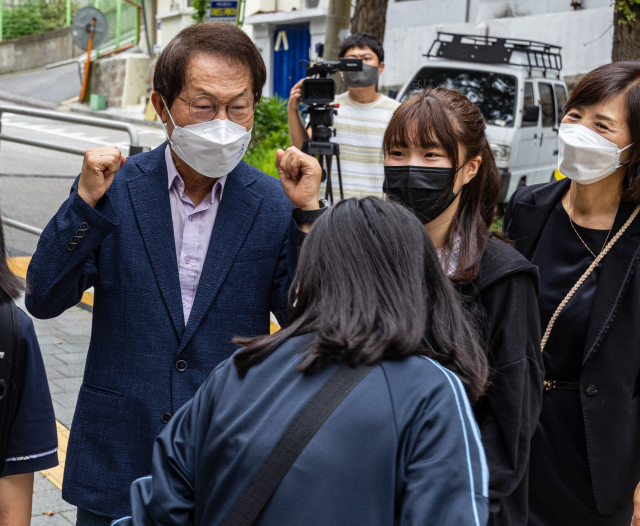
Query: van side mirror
x=531 y=115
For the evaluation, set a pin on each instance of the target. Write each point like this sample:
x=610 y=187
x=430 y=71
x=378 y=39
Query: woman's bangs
x=417 y=125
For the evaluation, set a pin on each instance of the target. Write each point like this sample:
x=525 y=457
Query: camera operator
x=363 y=115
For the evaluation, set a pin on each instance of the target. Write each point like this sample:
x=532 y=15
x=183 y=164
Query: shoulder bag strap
x=583 y=278
x=299 y=433
x=9 y=351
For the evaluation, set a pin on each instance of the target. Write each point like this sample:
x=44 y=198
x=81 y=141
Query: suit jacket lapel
x=529 y=219
x=615 y=273
x=152 y=209
x=237 y=211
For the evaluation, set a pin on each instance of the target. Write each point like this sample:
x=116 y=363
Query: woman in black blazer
x=585 y=454
x=439 y=164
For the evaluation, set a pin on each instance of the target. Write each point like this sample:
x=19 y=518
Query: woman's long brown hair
x=446 y=118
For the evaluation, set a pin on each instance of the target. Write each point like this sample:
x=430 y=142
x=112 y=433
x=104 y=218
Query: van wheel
x=522 y=182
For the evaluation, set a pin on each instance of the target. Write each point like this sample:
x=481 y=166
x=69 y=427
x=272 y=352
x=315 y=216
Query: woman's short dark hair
x=214 y=38
x=362 y=40
x=607 y=82
x=10 y=285
x=370 y=288
x=446 y=118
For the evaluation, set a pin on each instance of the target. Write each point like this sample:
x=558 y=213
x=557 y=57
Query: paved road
x=34 y=182
x=51 y=85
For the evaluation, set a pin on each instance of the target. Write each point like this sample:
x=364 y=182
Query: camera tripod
x=325 y=151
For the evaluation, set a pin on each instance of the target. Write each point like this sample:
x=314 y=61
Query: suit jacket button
x=181 y=366
x=165 y=418
x=80 y=234
x=591 y=390
x=71 y=246
x=75 y=240
x=84 y=227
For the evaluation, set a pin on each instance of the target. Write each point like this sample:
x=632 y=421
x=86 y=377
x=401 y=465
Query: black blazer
x=610 y=378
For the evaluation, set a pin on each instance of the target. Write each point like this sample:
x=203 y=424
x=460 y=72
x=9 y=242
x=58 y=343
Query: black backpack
x=9 y=351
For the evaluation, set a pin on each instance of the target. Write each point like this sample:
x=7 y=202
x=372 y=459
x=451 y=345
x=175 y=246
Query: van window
x=528 y=94
x=561 y=100
x=528 y=100
x=493 y=93
x=548 y=107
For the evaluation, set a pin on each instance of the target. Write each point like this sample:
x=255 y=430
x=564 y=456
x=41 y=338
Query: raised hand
x=300 y=175
x=98 y=169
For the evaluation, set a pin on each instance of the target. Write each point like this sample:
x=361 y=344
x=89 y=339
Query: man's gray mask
x=361 y=79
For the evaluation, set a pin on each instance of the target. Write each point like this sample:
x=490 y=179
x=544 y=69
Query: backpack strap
x=9 y=353
x=299 y=433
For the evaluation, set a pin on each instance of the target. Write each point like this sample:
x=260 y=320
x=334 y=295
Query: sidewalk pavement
x=64 y=342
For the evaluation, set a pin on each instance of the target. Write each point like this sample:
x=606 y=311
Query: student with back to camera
x=438 y=163
x=28 y=438
x=585 y=454
x=402 y=448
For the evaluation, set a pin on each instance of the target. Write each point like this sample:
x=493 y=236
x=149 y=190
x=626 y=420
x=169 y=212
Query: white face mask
x=584 y=156
x=213 y=148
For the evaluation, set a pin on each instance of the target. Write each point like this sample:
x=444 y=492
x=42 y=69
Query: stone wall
x=122 y=79
x=35 y=51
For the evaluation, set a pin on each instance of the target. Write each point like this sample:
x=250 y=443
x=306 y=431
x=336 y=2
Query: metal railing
x=134 y=146
x=21 y=226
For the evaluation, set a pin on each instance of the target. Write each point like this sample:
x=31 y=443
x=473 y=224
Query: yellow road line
x=19 y=265
x=54 y=475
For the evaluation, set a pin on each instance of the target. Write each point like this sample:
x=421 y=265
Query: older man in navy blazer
x=182 y=255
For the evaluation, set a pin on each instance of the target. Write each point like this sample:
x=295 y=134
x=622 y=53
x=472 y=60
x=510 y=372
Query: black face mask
x=420 y=189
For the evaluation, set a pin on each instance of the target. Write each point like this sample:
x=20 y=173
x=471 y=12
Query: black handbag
x=305 y=425
x=9 y=354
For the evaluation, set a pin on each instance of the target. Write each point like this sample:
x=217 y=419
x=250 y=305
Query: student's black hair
x=362 y=40
x=10 y=285
x=370 y=288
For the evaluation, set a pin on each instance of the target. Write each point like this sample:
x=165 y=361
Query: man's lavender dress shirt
x=192 y=227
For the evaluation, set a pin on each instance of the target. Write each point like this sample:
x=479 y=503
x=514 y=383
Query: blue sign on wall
x=223 y=11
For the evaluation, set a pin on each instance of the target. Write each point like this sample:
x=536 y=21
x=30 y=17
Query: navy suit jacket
x=127 y=253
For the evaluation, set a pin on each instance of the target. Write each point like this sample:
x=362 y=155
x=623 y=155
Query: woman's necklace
x=580 y=238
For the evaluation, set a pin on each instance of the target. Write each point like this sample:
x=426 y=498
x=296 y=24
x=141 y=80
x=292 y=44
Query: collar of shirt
x=174 y=178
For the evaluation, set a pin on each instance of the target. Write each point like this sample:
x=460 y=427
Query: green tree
x=626 y=30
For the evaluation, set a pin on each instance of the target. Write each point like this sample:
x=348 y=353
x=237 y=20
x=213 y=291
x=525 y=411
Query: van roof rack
x=495 y=50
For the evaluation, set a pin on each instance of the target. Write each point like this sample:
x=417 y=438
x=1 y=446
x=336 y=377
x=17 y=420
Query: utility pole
x=337 y=21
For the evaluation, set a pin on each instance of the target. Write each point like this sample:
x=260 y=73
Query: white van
x=517 y=86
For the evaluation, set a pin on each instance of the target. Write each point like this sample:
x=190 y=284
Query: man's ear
x=159 y=106
x=380 y=68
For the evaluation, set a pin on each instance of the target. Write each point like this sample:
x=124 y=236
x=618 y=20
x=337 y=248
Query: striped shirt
x=359 y=131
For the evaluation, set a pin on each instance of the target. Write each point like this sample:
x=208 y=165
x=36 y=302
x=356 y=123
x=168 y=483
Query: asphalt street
x=50 y=86
x=34 y=182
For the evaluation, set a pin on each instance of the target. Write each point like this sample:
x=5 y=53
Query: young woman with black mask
x=438 y=164
x=402 y=448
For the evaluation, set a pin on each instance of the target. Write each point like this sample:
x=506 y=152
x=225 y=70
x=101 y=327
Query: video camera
x=319 y=91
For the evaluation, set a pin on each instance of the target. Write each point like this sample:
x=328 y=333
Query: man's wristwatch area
x=309 y=216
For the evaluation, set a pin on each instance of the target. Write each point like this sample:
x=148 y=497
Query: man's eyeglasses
x=204 y=108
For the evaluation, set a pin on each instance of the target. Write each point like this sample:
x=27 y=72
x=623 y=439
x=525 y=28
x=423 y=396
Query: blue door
x=290 y=45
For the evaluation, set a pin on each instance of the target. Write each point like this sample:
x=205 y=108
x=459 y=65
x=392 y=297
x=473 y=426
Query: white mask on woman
x=585 y=156
x=213 y=148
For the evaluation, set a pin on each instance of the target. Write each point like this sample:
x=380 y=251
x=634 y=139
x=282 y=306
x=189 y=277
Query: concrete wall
x=121 y=79
x=586 y=37
x=489 y=9
x=35 y=51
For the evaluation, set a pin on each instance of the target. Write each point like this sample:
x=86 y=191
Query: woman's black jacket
x=610 y=377
x=503 y=299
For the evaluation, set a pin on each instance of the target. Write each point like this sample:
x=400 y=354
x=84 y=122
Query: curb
x=27 y=101
x=112 y=117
